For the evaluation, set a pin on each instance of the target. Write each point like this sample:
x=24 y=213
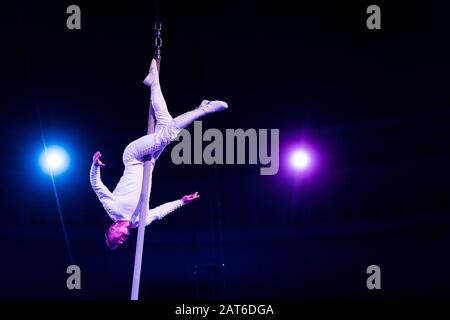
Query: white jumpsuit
x=122 y=203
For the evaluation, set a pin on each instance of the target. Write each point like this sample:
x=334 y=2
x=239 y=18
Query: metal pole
x=145 y=192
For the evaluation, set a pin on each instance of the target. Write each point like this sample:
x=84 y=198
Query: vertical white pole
x=143 y=205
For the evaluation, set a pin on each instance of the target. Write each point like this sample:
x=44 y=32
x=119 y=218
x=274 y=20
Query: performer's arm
x=163 y=210
x=96 y=182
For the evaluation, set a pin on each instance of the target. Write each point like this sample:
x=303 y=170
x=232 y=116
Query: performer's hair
x=109 y=244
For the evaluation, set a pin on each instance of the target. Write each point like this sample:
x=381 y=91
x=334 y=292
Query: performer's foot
x=153 y=76
x=213 y=106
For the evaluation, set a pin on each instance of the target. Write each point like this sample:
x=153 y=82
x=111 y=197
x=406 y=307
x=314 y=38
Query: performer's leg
x=149 y=144
x=206 y=107
x=167 y=128
x=156 y=142
x=162 y=115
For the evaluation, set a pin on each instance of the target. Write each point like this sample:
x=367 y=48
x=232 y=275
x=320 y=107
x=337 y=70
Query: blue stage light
x=54 y=160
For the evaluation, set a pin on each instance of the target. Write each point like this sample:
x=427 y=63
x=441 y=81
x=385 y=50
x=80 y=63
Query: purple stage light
x=300 y=159
x=303 y=157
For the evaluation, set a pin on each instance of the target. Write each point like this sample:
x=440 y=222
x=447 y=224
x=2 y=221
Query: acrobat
x=122 y=205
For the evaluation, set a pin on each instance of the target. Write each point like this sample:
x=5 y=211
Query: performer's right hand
x=190 y=197
x=96 y=159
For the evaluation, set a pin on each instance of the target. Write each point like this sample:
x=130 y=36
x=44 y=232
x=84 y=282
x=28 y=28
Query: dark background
x=374 y=104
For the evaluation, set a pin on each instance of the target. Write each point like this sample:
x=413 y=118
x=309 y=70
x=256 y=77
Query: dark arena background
x=369 y=109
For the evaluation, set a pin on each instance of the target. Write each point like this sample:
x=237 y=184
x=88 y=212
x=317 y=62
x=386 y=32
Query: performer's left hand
x=190 y=197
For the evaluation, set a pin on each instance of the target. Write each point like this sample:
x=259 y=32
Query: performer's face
x=117 y=235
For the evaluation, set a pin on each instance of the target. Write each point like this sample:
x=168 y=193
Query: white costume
x=122 y=203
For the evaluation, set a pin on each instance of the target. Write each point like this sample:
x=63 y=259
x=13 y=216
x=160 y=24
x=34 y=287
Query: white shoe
x=213 y=106
x=152 y=77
